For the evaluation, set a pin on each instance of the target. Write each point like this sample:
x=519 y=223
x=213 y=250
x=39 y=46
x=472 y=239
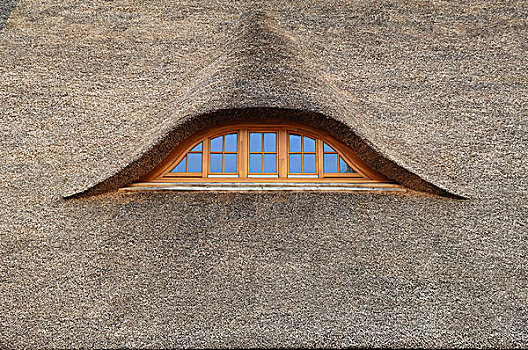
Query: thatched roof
x=94 y=94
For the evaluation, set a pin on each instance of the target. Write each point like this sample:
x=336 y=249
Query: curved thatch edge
x=160 y=149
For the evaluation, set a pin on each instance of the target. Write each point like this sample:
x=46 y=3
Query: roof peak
x=259 y=36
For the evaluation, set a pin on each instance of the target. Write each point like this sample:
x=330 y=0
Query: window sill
x=254 y=186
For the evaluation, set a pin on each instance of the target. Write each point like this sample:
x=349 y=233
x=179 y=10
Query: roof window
x=263 y=157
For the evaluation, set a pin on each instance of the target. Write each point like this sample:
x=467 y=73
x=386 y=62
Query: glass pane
x=255 y=163
x=230 y=165
x=255 y=142
x=216 y=144
x=216 y=163
x=195 y=162
x=230 y=143
x=270 y=163
x=270 y=142
x=295 y=163
x=295 y=143
x=327 y=148
x=180 y=168
x=330 y=163
x=309 y=163
x=344 y=167
x=309 y=144
x=197 y=148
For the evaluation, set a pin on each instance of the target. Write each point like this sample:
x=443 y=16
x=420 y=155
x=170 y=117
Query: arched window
x=263 y=156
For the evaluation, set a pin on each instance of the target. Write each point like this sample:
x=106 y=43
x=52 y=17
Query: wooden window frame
x=264 y=176
x=363 y=173
x=207 y=158
x=339 y=155
x=302 y=174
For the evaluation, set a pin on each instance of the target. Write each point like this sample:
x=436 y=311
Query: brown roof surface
x=95 y=93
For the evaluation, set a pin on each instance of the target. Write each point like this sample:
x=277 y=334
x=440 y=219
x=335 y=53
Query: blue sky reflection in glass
x=301 y=154
x=334 y=163
x=263 y=153
x=224 y=154
x=192 y=162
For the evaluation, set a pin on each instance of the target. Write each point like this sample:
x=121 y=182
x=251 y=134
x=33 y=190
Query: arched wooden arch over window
x=263 y=156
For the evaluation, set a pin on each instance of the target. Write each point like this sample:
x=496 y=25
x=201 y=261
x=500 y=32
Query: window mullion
x=223 y=153
x=206 y=158
x=282 y=153
x=263 y=133
x=243 y=157
x=319 y=158
x=302 y=153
